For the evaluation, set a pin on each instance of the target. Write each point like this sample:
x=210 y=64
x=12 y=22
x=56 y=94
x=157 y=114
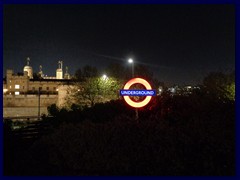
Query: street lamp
x=130 y=61
x=39 y=94
x=104 y=77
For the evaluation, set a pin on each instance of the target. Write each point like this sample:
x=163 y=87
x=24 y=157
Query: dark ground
x=180 y=135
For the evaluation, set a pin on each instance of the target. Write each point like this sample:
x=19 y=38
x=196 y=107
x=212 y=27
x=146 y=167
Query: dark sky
x=180 y=43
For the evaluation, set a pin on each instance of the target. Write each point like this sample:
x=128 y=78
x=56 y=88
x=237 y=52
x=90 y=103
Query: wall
x=47 y=86
x=23 y=111
x=28 y=100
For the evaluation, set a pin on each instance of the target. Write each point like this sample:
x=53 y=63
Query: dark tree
x=220 y=85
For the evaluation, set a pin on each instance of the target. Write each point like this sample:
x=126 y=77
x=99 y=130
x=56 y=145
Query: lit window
x=17 y=86
x=17 y=93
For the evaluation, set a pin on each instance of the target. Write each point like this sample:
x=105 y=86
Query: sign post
x=148 y=92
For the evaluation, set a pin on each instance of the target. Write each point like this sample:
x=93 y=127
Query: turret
x=40 y=72
x=59 y=72
x=66 y=75
x=28 y=69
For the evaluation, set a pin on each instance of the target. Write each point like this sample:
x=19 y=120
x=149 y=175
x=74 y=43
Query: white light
x=5 y=90
x=130 y=61
x=17 y=93
x=17 y=86
x=56 y=89
x=104 y=77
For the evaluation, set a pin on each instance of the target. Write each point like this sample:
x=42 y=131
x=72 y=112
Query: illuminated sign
x=126 y=92
x=137 y=92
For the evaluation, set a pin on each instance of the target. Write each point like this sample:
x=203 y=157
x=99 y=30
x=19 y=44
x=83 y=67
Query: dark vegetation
x=192 y=134
x=178 y=135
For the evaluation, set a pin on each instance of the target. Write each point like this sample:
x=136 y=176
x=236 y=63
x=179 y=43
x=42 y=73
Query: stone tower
x=59 y=71
x=28 y=69
x=66 y=75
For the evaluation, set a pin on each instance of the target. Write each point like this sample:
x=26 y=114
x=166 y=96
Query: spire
x=28 y=60
x=59 y=72
x=40 y=71
x=66 y=70
x=66 y=75
x=59 y=64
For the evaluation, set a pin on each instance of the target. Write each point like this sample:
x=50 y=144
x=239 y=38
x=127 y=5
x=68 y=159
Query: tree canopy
x=220 y=85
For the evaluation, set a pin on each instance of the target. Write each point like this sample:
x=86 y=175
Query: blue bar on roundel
x=134 y=92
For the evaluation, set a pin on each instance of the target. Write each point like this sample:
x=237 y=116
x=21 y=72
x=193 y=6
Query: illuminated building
x=22 y=90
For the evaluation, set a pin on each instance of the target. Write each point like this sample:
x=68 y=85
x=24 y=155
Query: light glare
x=130 y=61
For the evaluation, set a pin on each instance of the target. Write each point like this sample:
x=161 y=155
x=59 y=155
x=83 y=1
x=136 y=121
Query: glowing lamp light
x=104 y=77
x=130 y=61
x=146 y=85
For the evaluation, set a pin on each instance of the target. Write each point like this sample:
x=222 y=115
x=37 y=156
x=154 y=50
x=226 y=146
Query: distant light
x=130 y=61
x=5 y=90
x=172 y=89
x=17 y=93
x=17 y=86
x=56 y=89
x=104 y=77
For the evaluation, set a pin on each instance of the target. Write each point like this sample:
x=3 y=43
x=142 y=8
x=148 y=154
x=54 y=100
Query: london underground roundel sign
x=148 y=92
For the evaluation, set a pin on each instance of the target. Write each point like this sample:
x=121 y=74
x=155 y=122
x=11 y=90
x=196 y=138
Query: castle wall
x=46 y=86
x=27 y=105
x=20 y=94
x=23 y=111
x=28 y=100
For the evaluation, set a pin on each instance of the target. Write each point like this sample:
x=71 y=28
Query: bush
x=53 y=110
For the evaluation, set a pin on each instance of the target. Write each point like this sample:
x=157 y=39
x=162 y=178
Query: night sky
x=179 y=43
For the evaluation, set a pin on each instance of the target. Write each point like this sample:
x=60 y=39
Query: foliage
x=181 y=135
x=117 y=71
x=123 y=74
x=220 y=85
x=90 y=88
x=93 y=90
x=53 y=110
x=230 y=92
x=175 y=135
x=86 y=72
